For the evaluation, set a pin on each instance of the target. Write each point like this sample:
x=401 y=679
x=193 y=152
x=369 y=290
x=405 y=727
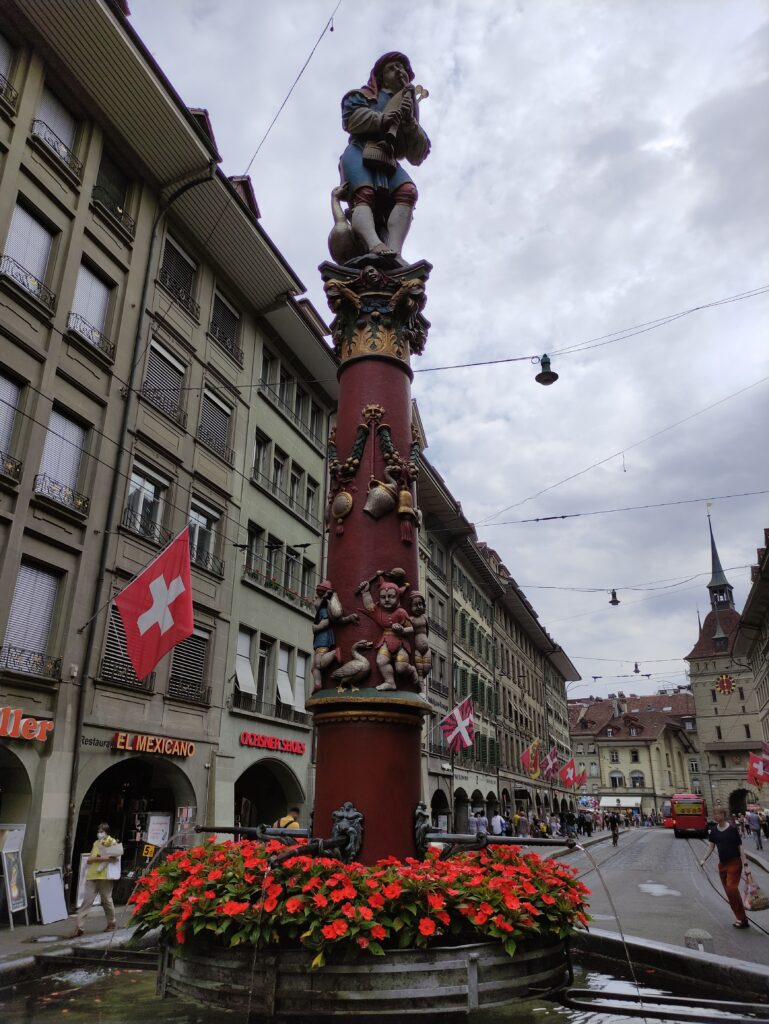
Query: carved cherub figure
x=328 y=613
x=423 y=657
x=394 y=645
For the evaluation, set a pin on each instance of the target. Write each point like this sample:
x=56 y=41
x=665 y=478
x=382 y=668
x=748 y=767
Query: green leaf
x=376 y=949
x=397 y=924
x=319 y=961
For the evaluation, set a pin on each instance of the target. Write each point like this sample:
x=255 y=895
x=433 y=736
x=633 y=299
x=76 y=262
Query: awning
x=623 y=802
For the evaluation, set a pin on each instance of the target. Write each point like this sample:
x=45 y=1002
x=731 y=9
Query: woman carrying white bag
x=102 y=873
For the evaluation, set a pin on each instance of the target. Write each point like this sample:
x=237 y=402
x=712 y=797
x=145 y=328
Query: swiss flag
x=757 y=773
x=568 y=773
x=156 y=608
x=581 y=779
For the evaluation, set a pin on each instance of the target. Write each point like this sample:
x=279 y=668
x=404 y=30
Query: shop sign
x=140 y=743
x=15 y=726
x=96 y=741
x=258 y=739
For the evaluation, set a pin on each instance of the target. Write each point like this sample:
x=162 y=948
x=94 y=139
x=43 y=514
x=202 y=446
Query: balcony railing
x=190 y=690
x=41 y=131
x=62 y=494
x=167 y=401
x=438 y=748
x=80 y=326
x=228 y=342
x=10 y=268
x=179 y=293
x=304 y=428
x=144 y=526
x=8 y=93
x=206 y=560
x=269 y=577
x=216 y=444
x=247 y=702
x=439 y=627
x=264 y=481
x=120 y=672
x=10 y=467
x=103 y=197
x=17 y=659
x=440 y=688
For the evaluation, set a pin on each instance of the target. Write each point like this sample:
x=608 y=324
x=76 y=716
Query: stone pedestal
x=369 y=737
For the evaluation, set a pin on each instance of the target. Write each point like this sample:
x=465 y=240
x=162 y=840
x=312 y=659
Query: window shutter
x=215 y=425
x=63 y=450
x=225 y=323
x=91 y=298
x=9 y=400
x=29 y=243
x=29 y=622
x=116 y=664
x=53 y=113
x=244 y=673
x=179 y=271
x=300 y=679
x=189 y=660
x=113 y=181
x=285 y=692
x=164 y=378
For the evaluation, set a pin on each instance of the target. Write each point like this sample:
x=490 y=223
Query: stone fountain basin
x=410 y=984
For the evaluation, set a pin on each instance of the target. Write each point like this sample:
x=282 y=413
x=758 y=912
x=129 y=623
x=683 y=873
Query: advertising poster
x=15 y=890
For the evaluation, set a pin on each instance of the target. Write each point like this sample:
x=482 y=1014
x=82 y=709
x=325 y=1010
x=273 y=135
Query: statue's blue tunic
x=354 y=172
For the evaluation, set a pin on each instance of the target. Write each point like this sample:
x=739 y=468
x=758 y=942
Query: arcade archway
x=265 y=791
x=15 y=788
x=739 y=800
x=461 y=810
x=440 y=811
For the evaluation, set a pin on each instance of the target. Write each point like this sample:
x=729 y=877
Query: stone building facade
x=751 y=644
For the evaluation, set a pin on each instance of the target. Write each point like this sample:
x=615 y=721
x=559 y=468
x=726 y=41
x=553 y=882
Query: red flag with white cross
x=156 y=607
x=459 y=726
x=757 y=773
x=568 y=773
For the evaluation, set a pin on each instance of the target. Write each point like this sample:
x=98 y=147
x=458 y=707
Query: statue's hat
x=371 y=88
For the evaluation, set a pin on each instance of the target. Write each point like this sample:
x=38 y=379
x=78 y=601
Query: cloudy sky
x=595 y=166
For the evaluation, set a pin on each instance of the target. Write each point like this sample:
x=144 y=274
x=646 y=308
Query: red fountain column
x=369 y=708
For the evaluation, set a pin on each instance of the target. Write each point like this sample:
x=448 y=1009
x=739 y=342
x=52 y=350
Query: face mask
x=101 y=835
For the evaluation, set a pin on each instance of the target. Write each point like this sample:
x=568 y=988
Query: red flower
x=435 y=901
x=362 y=942
x=378 y=932
x=340 y=927
x=328 y=932
x=366 y=913
x=547 y=899
x=480 y=919
x=210 y=894
x=348 y=910
x=270 y=904
x=427 y=926
x=293 y=905
x=391 y=891
x=320 y=900
x=376 y=901
x=231 y=908
x=215 y=874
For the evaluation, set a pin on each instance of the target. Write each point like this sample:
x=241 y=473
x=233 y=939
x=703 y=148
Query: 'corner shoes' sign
x=143 y=744
x=15 y=726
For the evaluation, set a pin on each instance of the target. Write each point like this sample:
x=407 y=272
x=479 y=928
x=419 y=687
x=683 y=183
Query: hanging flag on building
x=568 y=773
x=550 y=765
x=581 y=779
x=530 y=760
x=757 y=770
x=156 y=607
x=765 y=755
x=459 y=727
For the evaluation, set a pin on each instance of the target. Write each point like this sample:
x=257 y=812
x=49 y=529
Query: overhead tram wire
x=626 y=448
x=674 y=581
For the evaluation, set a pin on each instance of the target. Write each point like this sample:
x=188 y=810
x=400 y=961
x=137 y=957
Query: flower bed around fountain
x=477 y=929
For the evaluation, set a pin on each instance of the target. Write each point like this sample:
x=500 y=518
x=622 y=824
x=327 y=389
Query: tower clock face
x=725 y=684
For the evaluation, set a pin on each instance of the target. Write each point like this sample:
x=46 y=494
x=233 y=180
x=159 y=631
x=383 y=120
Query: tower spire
x=721 y=595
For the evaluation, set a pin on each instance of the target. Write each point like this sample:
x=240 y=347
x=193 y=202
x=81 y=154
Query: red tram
x=689 y=815
x=666 y=810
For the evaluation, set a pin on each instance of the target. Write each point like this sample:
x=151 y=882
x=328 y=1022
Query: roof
x=729 y=620
x=756 y=609
x=595 y=717
x=718 y=578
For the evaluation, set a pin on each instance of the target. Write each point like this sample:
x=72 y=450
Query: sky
x=595 y=167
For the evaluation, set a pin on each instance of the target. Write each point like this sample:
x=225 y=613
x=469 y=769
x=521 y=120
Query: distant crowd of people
x=566 y=823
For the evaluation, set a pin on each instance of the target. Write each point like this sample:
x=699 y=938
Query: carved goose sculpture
x=354 y=670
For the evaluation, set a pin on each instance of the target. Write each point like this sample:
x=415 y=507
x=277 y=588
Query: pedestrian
x=483 y=823
x=102 y=872
x=523 y=826
x=765 y=825
x=290 y=820
x=726 y=838
x=498 y=825
x=753 y=820
x=614 y=826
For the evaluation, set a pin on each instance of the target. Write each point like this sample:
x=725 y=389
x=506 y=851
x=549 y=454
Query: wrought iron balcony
x=247 y=702
x=179 y=293
x=266 y=482
x=47 y=135
x=145 y=526
x=8 y=93
x=304 y=428
x=270 y=578
x=216 y=444
x=190 y=690
x=10 y=467
x=440 y=749
x=112 y=204
x=167 y=401
x=78 y=324
x=120 y=672
x=12 y=269
x=228 y=342
x=62 y=494
x=206 y=560
x=34 y=663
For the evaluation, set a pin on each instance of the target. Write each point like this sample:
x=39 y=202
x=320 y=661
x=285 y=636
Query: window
x=27 y=251
x=116 y=666
x=714 y=696
x=689 y=725
x=696 y=786
x=718 y=732
x=261 y=454
x=610 y=732
x=203 y=524
x=316 y=421
x=747 y=731
x=300 y=405
x=7 y=57
x=60 y=462
x=723 y=761
x=694 y=766
x=274 y=560
x=633 y=730
x=617 y=780
x=28 y=633
x=163 y=381
x=88 y=317
x=591 y=748
x=295 y=486
x=311 y=490
x=308 y=578
x=579 y=749
x=57 y=128
x=286 y=388
x=268 y=368
x=636 y=780
x=285 y=694
x=741 y=692
x=188 y=669
x=614 y=756
x=244 y=674
x=264 y=665
x=10 y=392
x=634 y=756
x=177 y=276
x=279 y=459
x=111 y=190
x=214 y=429
x=225 y=327
x=144 y=508
x=593 y=770
x=301 y=668
x=291 y=571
